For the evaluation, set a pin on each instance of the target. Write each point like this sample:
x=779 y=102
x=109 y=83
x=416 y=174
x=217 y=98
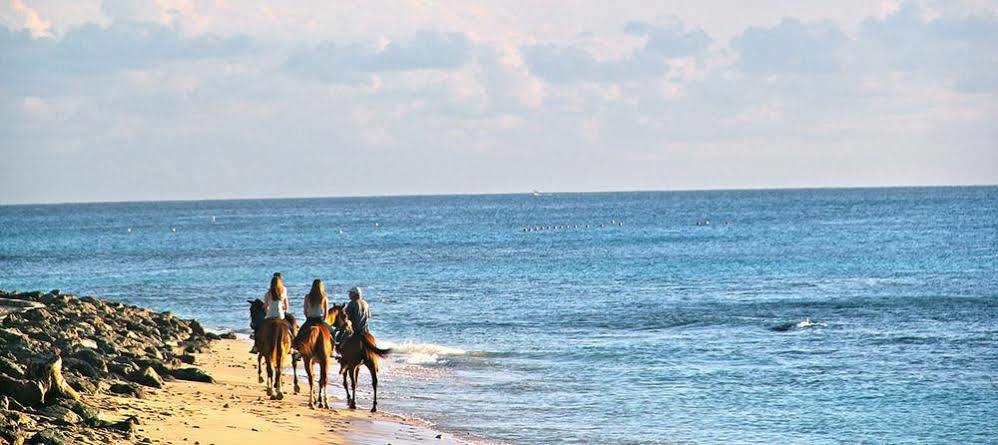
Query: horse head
x=256 y=313
x=337 y=318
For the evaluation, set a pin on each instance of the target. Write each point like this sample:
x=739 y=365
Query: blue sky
x=191 y=99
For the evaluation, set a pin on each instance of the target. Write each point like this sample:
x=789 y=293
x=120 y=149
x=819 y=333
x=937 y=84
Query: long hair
x=317 y=293
x=276 y=284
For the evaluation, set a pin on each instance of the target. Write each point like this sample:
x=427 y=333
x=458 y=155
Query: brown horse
x=272 y=338
x=357 y=350
x=317 y=345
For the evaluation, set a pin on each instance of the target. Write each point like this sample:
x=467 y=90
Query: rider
x=358 y=312
x=316 y=306
x=275 y=301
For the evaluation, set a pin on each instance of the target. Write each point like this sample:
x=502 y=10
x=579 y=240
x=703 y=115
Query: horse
x=357 y=350
x=317 y=345
x=272 y=339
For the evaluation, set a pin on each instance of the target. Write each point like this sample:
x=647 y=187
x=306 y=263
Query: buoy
x=129 y=230
x=213 y=219
x=173 y=229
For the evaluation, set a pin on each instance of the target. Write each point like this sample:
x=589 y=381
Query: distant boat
x=536 y=193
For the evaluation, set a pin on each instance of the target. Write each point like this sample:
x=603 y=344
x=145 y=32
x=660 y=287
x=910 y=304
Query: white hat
x=356 y=291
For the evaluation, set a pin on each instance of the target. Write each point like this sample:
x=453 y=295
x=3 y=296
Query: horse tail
x=281 y=334
x=371 y=349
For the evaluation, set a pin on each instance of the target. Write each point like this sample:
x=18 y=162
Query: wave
x=807 y=323
x=415 y=353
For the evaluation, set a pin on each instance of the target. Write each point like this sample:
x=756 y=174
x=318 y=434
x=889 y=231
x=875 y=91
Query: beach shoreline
x=235 y=410
x=91 y=371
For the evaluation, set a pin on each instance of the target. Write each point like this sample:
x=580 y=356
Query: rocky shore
x=59 y=354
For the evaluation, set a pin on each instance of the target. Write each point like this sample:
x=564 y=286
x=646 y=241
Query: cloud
x=423 y=51
x=565 y=64
x=960 y=50
x=791 y=47
x=38 y=65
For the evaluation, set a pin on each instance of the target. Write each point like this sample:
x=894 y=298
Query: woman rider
x=316 y=306
x=275 y=301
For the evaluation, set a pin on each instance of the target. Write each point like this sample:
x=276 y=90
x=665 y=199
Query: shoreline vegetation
x=90 y=371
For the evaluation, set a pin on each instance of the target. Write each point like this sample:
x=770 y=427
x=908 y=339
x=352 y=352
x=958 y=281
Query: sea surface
x=769 y=316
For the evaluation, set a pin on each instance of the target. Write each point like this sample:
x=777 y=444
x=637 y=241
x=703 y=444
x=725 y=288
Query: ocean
x=764 y=316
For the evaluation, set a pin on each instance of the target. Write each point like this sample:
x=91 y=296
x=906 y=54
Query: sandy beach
x=235 y=410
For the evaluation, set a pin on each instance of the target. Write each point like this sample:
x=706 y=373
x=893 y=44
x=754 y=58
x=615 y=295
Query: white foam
x=807 y=323
x=421 y=353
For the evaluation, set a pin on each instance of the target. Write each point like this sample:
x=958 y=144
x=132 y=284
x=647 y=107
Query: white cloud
x=473 y=97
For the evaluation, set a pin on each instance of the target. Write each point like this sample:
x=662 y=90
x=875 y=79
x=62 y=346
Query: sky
x=211 y=99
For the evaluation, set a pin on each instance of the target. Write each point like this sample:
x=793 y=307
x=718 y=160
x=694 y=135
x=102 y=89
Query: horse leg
x=346 y=388
x=259 y=372
x=277 y=375
x=307 y=361
x=374 y=383
x=270 y=379
x=354 y=376
x=294 y=370
x=323 y=403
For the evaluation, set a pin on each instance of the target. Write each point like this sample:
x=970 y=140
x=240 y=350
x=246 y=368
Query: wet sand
x=236 y=410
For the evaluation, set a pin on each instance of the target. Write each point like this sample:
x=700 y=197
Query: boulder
x=10 y=367
x=187 y=358
x=148 y=377
x=92 y=358
x=61 y=415
x=127 y=389
x=25 y=392
x=50 y=436
x=80 y=367
x=228 y=336
x=192 y=374
x=83 y=385
x=10 y=431
x=47 y=370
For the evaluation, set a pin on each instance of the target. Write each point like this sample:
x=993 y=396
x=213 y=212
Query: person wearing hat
x=358 y=312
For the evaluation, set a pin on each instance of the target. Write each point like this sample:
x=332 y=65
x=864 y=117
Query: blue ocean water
x=817 y=316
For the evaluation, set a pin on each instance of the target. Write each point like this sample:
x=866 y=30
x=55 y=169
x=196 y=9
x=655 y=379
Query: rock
x=122 y=367
x=12 y=335
x=25 y=392
x=86 y=412
x=11 y=368
x=88 y=343
x=228 y=336
x=187 y=358
x=192 y=374
x=127 y=389
x=48 y=372
x=196 y=328
x=148 y=377
x=83 y=385
x=127 y=425
x=10 y=431
x=61 y=414
x=37 y=315
x=80 y=367
x=212 y=336
x=47 y=437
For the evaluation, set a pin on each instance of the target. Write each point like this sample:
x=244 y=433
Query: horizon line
x=562 y=192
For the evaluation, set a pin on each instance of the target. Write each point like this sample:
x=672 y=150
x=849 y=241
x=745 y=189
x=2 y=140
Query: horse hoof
x=297 y=390
x=280 y=396
x=259 y=379
x=374 y=409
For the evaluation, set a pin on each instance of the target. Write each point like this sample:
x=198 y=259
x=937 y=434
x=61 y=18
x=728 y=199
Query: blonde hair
x=317 y=293
x=276 y=285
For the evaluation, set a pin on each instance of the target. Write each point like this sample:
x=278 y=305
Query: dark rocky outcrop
x=57 y=351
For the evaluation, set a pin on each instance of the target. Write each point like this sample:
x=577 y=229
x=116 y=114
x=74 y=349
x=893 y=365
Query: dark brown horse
x=317 y=345
x=357 y=350
x=272 y=338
